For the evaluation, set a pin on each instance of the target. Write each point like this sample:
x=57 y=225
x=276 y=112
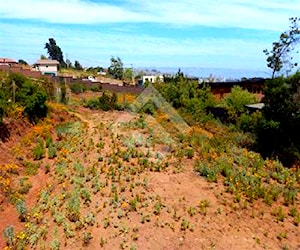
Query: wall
x=47 y=69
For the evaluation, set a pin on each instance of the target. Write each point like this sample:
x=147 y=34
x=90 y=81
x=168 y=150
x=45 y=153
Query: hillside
x=117 y=180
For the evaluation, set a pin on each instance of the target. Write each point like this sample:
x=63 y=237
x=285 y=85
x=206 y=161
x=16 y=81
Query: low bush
x=39 y=151
x=96 y=88
x=77 y=88
x=105 y=102
x=27 y=94
x=52 y=152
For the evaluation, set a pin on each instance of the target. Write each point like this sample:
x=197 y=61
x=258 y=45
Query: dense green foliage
x=274 y=129
x=186 y=95
x=105 y=102
x=77 y=88
x=236 y=100
x=26 y=93
x=35 y=105
x=278 y=132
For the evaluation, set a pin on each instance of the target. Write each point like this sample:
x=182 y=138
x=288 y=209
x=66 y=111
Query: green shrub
x=31 y=168
x=236 y=100
x=9 y=234
x=96 y=88
x=278 y=132
x=48 y=141
x=189 y=153
x=22 y=210
x=211 y=174
x=27 y=93
x=105 y=102
x=52 y=153
x=148 y=108
x=35 y=106
x=39 y=151
x=77 y=88
x=73 y=207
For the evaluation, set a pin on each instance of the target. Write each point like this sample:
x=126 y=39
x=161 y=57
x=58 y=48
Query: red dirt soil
x=226 y=225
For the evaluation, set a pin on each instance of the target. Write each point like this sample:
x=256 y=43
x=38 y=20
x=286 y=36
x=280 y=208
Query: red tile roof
x=47 y=62
x=6 y=60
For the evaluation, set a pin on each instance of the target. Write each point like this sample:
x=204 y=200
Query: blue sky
x=147 y=33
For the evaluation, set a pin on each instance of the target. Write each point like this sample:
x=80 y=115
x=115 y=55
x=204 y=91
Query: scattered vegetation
x=100 y=179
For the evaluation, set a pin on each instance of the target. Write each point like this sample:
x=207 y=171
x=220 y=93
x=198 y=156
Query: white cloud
x=96 y=47
x=264 y=14
x=66 y=11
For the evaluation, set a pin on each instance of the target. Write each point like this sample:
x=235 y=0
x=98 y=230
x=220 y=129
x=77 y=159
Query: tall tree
x=116 y=68
x=280 y=54
x=77 y=65
x=55 y=52
x=23 y=62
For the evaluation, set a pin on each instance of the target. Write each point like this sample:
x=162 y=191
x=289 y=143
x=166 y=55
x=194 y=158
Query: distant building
x=253 y=85
x=47 y=67
x=152 y=78
x=7 y=61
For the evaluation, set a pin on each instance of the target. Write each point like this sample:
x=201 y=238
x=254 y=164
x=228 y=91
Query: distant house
x=152 y=79
x=7 y=61
x=47 y=67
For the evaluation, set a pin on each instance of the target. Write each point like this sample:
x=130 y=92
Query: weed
x=145 y=218
x=203 y=205
x=103 y=241
x=68 y=231
x=278 y=212
x=106 y=222
x=48 y=141
x=55 y=244
x=31 y=168
x=158 y=207
x=73 y=207
x=52 y=152
x=9 y=234
x=59 y=218
x=87 y=236
x=282 y=235
x=47 y=168
x=25 y=186
x=189 y=153
x=85 y=195
x=22 y=210
x=185 y=224
x=191 y=211
x=39 y=151
x=89 y=219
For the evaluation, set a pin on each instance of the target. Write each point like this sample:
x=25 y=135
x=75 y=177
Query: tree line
x=116 y=69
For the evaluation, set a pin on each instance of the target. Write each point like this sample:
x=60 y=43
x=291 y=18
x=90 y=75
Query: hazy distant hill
x=218 y=72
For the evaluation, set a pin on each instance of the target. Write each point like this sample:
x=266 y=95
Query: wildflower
x=124 y=205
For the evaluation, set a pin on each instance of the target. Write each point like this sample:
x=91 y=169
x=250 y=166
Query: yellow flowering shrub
x=6 y=172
